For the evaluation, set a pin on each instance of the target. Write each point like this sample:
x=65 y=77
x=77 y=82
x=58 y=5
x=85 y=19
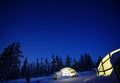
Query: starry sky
x=74 y=27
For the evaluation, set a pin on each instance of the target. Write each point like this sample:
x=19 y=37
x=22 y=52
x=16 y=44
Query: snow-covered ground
x=83 y=77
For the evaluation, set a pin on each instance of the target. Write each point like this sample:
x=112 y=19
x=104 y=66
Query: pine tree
x=10 y=61
x=37 y=69
x=47 y=67
x=98 y=61
x=24 y=68
x=41 y=68
x=59 y=63
x=68 y=61
x=85 y=63
x=81 y=63
x=75 y=65
x=32 y=69
x=53 y=65
x=89 y=63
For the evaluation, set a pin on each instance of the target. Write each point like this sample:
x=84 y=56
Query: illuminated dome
x=110 y=64
x=64 y=72
x=68 y=72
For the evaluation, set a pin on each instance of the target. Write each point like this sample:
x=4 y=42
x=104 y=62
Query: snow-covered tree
x=10 y=61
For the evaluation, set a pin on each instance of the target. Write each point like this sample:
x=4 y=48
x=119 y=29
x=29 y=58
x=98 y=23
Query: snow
x=83 y=77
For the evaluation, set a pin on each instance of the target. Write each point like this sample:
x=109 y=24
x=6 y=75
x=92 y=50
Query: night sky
x=60 y=27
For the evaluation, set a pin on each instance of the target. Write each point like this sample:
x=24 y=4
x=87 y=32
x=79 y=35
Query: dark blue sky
x=60 y=27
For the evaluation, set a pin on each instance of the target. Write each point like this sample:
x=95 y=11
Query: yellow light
x=68 y=72
x=105 y=67
x=105 y=58
x=108 y=72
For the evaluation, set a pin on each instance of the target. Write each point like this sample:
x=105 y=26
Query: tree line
x=11 y=66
